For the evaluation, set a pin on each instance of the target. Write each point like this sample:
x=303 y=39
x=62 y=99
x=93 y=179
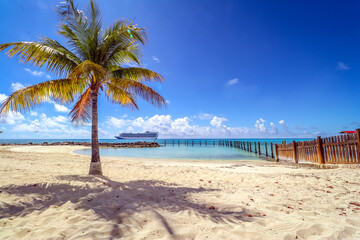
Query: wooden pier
x=257 y=148
x=343 y=149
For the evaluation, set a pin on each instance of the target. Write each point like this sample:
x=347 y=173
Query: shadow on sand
x=114 y=201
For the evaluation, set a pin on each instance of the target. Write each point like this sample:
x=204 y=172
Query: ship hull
x=135 y=138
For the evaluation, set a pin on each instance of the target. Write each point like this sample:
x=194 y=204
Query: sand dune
x=45 y=193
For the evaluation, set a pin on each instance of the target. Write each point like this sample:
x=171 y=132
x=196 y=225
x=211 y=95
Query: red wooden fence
x=343 y=149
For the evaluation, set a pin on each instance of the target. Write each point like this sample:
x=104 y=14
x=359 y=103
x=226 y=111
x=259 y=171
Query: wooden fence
x=343 y=149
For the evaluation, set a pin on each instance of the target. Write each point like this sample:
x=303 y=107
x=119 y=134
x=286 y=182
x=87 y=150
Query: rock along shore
x=88 y=144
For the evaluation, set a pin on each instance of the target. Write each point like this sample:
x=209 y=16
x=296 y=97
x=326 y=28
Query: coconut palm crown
x=95 y=61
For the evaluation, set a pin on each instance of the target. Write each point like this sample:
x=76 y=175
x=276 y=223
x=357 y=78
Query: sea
x=182 y=149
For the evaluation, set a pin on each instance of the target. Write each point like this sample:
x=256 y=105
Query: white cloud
x=130 y=129
x=51 y=127
x=16 y=86
x=180 y=127
x=33 y=113
x=116 y=122
x=169 y=127
x=34 y=126
x=342 y=66
x=205 y=116
x=54 y=122
x=61 y=108
x=38 y=73
x=232 y=82
x=274 y=128
x=34 y=73
x=167 y=101
x=217 y=121
x=260 y=125
x=156 y=59
x=11 y=118
x=3 y=97
x=61 y=119
x=285 y=126
x=103 y=133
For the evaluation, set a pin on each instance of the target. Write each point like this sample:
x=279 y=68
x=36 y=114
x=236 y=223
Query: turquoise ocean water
x=198 y=149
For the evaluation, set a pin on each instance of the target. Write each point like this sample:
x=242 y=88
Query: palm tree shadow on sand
x=116 y=201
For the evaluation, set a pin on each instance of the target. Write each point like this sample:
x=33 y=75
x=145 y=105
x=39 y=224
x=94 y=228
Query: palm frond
x=137 y=74
x=61 y=90
x=83 y=31
x=57 y=60
x=73 y=40
x=139 y=89
x=120 y=43
x=90 y=71
x=120 y=96
x=81 y=112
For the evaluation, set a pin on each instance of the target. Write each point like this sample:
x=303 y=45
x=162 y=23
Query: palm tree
x=95 y=61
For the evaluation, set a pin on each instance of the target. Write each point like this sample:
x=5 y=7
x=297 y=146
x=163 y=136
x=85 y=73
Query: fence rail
x=343 y=149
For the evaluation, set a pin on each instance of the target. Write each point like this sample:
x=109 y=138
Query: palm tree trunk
x=95 y=165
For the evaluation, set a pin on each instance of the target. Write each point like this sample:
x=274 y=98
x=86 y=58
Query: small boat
x=145 y=135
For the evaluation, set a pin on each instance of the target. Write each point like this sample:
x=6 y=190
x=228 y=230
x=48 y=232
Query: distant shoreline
x=137 y=144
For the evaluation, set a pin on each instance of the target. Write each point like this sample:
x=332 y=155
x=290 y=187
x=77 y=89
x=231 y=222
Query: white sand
x=45 y=193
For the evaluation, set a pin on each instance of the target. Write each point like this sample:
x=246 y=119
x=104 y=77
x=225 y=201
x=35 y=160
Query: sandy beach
x=46 y=193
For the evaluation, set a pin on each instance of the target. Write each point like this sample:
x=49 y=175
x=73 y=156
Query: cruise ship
x=145 y=135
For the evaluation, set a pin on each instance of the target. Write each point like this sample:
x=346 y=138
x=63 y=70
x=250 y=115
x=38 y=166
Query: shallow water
x=178 y=152
x=198 y=149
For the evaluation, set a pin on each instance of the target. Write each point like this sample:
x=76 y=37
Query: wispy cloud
x=16 y=86
x=285 y=126
x=167 y=101
x=156 y=59
x=3 y=97
x=342 y=66
x=204 y=116
x=260 y=125
x=10 y=117
x=232 y=82
x=34 y=73
x=61 y=108
x=38 y=73
x=274 y=128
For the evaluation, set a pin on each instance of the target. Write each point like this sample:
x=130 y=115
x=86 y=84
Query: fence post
x=255 y=151
x=259 y=149
x=276 y=152
x=294 y=152
x=266 y=152
x=320 y=150
x=272 y=152
x=358 y=144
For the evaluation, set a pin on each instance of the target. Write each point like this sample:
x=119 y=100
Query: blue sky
x=232 y=68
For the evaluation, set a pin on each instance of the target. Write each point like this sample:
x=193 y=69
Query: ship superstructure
x=145 y=135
